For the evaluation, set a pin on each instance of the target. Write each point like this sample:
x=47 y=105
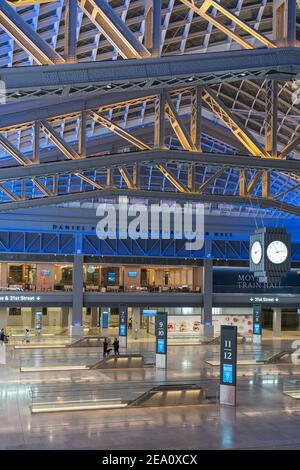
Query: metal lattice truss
x=213 y=120
x=137 y=164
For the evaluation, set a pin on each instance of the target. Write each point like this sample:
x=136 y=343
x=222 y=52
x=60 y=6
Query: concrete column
x=136 y=322
x=32 y=323
x=94 y=317
x=206 y=317
x=26 y=315
x=3 y=317
x=76 y=328
x=277 y=322
x=4 y=274
x=64 y=317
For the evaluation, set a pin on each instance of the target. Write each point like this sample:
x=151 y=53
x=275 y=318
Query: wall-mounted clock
x=256 y=252
x=270 y=254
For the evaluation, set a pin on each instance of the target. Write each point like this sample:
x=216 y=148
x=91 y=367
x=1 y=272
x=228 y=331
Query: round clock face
x=277 y=252
x=256 y=252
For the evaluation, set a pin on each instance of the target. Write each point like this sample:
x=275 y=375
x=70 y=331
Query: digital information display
x=228 y=362
x=132 y=273
x=160 y=346
x=257 y=319
x=227 y=373
x=161 y=328
x=105 y=318
x=38 y=321
x=123 y=320
x=111 y=277
x=149 y=313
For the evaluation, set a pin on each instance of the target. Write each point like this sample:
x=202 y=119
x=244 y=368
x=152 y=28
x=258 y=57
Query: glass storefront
x=101 y=278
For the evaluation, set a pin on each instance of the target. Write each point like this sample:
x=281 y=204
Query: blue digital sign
x=149 y=313
x=104 y=319
x=122 y=330
x=161 y=346
x=132 y=273
x=111 y=277
x=256 y=329
x=227 y=373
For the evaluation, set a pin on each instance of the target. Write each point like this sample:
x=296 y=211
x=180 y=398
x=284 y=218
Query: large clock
x=270 y=254
x=277 y=252
x=256 y=252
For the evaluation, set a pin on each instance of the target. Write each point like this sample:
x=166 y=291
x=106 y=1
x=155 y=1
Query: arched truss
x=62 y=118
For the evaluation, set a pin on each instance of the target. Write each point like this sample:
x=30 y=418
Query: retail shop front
x=236 y=291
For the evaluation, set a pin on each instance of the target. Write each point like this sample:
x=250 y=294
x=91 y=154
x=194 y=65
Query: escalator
x=281 y=357
x=87 y=342
x=123 y=361
x=170 y=395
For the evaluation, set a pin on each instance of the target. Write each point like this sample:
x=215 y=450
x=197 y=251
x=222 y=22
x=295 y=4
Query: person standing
x=105 y=347
x=2 y=335
x=116 y=347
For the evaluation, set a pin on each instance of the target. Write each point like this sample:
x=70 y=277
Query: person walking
x=106 y=349
x=2 y=335
x=26 y=338
x=116 y=347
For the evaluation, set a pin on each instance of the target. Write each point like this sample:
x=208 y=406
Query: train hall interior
x=149 y=224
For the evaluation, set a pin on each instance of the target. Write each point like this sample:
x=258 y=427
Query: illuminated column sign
x=38 y=321
x=228 y=365
x=123 y=325
x=257 y=323
x=105 y=318
x=161 y=327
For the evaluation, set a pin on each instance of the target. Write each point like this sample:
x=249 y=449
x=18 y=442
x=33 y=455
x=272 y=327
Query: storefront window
x=110 y=276
x=15 y=274
x=14 y=311
x=92 y=275
x=30 y=276
x=66 y=275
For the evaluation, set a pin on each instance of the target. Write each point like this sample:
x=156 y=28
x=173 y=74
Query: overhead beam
x=236 y=127
x=41 y=187
x=152 y=36
x=22 y=112
x=59 y=142
x=26 y=37
x=210 y=180
x=119 y=131
x=9 y=193
x=178 y=125
x=70 y=30
x=126 y=177
x=88 y=180
x=170 y=177
x=13 y=151
x=154 y=156
x=254 y=182
x=157 y=195
x=202 y=11
x=114 y=29
x=159 y=121
x=271 y=117
x=238 y=21
x=196 y=117
x=154 y=73
x=290 y=146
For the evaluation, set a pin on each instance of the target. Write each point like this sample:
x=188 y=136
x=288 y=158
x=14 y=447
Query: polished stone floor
x=265 y=417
